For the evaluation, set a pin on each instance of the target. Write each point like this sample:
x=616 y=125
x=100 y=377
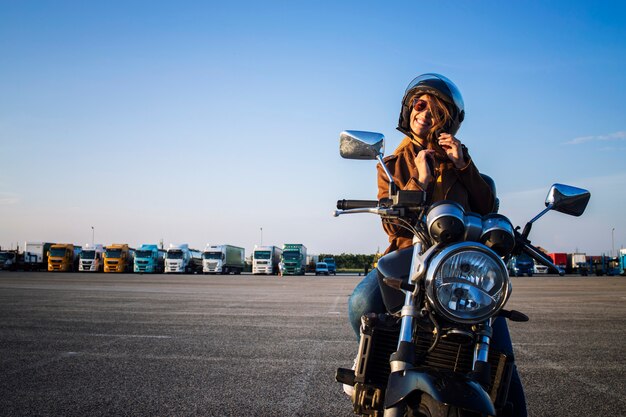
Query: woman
x=430 y=158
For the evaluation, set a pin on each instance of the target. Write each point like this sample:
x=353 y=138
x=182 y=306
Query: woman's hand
x=425 y=176
x=452 y=147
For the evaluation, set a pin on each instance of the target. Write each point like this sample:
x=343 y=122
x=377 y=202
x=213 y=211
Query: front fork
x=401 y=359
x=404 y=356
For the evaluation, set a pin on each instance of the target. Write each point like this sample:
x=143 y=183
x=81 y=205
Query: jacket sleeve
x=383 y=182
x=394 y=231
x=480 y=195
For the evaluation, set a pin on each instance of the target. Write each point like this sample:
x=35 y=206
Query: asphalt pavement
x=160 y=345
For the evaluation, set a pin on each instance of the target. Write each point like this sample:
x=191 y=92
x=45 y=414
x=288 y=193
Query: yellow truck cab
x=118 y=257
x=63 y=257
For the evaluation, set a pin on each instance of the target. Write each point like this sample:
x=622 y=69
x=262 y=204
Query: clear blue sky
x=201 y=123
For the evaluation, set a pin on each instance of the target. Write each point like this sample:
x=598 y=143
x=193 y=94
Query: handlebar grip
x=353 y=204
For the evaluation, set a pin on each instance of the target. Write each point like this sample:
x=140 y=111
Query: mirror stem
x=392 y=185
x=526 y=231
x=529 y=225
x=547 y=209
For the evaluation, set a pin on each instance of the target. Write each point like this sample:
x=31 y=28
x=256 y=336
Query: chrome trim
x=481 y=349
x=473 y=227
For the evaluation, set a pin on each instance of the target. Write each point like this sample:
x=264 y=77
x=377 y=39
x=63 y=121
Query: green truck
x=293 y=259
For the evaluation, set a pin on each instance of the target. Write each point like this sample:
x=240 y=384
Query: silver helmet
x=438 y=86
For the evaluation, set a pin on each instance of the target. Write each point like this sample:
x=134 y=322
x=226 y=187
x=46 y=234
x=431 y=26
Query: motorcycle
x=430 y=354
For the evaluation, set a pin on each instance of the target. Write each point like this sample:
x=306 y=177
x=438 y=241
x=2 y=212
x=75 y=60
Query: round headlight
x=467 y=282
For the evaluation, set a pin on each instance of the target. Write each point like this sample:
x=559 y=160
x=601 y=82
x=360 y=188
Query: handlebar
x=537 y=255
x=354 y=204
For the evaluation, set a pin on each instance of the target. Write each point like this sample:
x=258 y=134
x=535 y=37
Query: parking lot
x=104 y=344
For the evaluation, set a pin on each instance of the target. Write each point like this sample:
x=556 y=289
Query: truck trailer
x=577 y=264
x=293 y=260
x=92 y=258
x=559 y=259
x=118 y=257
x=63 y=257
x=223 y=259
x=180 y=259
x=149 y=259
x=604 y=265
x=265 y=260
x=36 y=255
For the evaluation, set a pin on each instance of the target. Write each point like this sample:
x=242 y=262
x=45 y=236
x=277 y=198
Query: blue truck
x=149 y=259
x=332 y=267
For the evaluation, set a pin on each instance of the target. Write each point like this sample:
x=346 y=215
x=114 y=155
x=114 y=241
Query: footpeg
x=345 y=376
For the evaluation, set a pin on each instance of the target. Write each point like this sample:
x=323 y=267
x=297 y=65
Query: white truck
x=36 y=255
x=91 y=258
x=577 y=263
x=181 y=259
x=265 y=259
x=223 y=259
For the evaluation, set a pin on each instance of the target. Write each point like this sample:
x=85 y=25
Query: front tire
x=428 y=407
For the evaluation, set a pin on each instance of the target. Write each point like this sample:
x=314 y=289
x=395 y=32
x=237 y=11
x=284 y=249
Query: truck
x=118 y=257
x=332 y=267
x=604 y=265
x=520 y=265
x=559 y=259
x=10 y=260
x=577 y=264
x=92 y=258
x=180 y=259
x=293 y=260
x=265 y=259
x=223 y=259
x=149 y=259
x=36 y=255
x=622 y=261
x=63 y=257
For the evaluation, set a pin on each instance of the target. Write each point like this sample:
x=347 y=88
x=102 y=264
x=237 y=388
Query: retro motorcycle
x=430 y=354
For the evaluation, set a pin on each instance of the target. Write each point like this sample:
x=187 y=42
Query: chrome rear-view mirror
x=567 y=199
x=564 y=199
x=356 y=144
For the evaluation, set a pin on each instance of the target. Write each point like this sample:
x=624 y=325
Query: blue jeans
x=367 y=298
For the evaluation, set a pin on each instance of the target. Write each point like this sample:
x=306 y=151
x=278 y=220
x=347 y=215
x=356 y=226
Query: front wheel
x=428 y=407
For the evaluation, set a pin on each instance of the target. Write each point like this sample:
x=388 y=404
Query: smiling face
x=428 y=116
x=421 y=115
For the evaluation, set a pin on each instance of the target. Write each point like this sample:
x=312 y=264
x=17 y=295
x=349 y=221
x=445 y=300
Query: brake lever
x=380 y=211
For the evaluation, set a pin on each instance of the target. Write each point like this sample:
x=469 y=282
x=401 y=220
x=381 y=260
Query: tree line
x=351 y=260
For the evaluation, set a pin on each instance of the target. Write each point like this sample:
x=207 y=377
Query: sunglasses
x=419 y=104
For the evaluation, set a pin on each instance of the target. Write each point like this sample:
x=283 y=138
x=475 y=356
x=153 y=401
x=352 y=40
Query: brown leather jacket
x=465 y=186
